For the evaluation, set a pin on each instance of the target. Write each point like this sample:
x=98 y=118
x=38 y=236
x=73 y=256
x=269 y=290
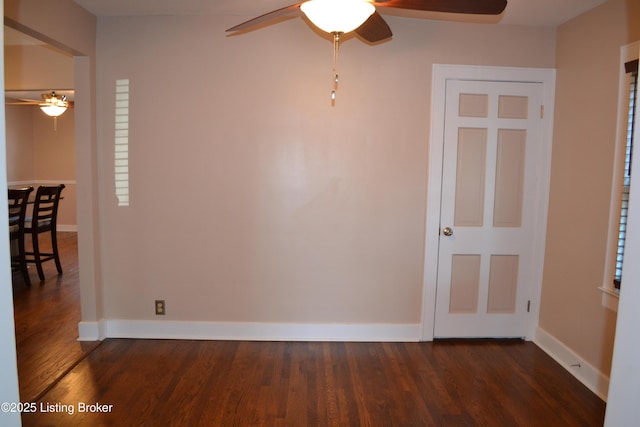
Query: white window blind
x=632 y=69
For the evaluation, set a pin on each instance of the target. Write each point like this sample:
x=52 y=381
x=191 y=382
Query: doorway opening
x=38 y=153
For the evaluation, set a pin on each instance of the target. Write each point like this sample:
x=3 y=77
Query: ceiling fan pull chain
x=336 y=45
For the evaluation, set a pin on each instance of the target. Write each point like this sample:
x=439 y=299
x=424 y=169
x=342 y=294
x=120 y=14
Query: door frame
x=440 y=74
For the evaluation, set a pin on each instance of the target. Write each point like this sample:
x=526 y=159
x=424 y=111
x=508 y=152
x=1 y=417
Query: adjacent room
x=330 y=212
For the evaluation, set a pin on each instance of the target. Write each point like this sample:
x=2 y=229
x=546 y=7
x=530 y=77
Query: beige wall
x=252 y=199
x=55 y=146
x=55 y=161
x=588 y=55
x=37 y=67
x=20 y=143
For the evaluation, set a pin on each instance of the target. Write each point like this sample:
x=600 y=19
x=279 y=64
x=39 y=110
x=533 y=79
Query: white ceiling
x=518 y=12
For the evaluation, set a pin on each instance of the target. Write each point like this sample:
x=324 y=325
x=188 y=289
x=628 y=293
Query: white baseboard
x=586 y=373
x=68 y=228
x=91 y=331
x=593 y=379
x=161 y=329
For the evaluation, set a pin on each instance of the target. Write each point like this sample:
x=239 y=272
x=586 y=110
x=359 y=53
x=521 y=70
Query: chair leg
x=36 y=256
x=22 y=259
x=54 y=247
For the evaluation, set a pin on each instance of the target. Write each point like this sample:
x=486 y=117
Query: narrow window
x=631 y=69
x=121 y=154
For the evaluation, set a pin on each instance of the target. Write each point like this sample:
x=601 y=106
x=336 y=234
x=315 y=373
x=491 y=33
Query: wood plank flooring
x=46 y=320
x=237 y=383
x=208 y=383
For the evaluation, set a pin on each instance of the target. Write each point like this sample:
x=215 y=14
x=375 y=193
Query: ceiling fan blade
x=293 y=10
x=27 y=102
x=374 y=29
x=18 y=101
x=479 y=7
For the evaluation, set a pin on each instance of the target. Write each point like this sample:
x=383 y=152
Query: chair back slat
x=45 y=207
x=18 y=199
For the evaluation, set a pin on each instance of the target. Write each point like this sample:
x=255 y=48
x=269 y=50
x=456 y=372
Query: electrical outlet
x=160 y=307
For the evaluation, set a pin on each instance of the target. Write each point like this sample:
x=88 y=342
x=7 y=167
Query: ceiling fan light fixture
x=52 y=110
x=54 y=106
x=337 y=16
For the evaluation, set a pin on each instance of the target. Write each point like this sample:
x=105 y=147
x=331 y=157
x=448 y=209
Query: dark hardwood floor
x=46 y=320
x=237 y=383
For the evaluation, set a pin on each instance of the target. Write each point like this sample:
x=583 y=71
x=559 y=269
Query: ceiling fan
x=58 y=99
x=361 y=16
x=374 y=28
x=53 y=103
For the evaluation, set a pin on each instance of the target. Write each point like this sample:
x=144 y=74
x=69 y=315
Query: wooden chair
x=18 y=199
x=44 y=220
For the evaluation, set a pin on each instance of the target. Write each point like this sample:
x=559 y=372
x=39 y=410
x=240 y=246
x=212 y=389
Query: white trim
x=162 y=329
x=9 y=391
x=41 y=182
x=19 y=183
x=623 y=408
x=586 y=373
x=442 y=73
x=610 y=298
x=91 y=331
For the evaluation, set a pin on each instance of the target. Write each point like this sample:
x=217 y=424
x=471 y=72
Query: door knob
x=447 y=231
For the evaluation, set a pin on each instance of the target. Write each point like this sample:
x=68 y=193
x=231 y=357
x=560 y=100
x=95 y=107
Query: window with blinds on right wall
x=623 y=167
x=631 y=68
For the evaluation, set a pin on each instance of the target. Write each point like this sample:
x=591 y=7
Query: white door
x=490 y=185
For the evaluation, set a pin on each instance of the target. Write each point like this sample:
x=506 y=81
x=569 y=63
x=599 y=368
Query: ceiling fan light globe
x=53 y=110
x=54 y=106
x=337 y=16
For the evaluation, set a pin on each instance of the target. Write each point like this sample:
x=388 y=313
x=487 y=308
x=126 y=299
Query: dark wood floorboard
x=46 y=320
x=237 y=383
x=219 y=383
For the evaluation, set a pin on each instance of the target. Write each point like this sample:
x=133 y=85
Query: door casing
x=441 y=74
